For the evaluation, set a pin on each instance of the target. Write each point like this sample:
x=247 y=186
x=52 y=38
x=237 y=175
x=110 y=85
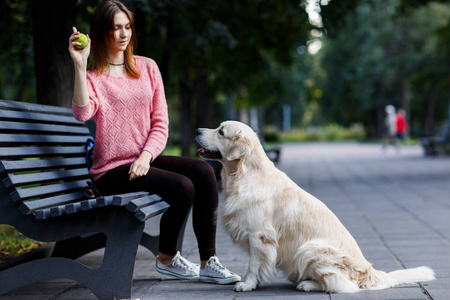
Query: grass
x=13 y=243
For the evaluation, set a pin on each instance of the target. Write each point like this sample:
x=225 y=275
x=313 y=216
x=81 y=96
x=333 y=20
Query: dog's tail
x=381 y=280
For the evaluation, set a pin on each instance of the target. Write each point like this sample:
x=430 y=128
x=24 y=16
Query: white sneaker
x=179 y=267
x=215 y=272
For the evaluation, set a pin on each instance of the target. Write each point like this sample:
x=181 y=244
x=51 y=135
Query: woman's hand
x=79 y=56
x=141 y=166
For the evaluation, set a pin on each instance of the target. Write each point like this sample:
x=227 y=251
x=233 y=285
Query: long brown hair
x=102 y=26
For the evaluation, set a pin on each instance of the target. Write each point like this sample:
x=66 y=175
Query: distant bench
x=46 y=193
x=273 y=153
x=439 y=143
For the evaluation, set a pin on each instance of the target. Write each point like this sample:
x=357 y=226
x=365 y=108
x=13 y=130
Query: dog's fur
x=282 y=226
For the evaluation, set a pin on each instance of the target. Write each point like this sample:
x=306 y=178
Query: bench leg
x=113 y=279
x=118 y=263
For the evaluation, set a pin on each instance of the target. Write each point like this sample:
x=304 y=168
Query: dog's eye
x=221 y=131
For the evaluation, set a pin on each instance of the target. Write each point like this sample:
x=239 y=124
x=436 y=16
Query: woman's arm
x=79 y=57
x=159 y=133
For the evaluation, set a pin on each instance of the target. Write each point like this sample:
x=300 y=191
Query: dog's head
x=229 y=142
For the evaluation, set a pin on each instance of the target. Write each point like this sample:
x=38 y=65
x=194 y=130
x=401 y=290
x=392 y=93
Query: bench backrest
x=42 y=152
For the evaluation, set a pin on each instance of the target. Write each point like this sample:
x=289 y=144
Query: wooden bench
x=46 y=193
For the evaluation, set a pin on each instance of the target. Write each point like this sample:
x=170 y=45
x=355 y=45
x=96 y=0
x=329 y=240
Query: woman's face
x=121 y=32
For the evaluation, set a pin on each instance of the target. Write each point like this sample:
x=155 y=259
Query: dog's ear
x=239 y=147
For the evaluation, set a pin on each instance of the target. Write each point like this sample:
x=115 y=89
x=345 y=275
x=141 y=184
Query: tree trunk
x=431 y=105
x=429 y=112
x=185 y=113
x=52 y=26
x=378 y=129
x=204 y=111
x=406 y=97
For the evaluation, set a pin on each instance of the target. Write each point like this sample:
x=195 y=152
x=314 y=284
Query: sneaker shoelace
x=216 y=266
x=183 y=263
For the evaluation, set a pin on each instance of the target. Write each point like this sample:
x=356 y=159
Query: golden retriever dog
x=282 y=226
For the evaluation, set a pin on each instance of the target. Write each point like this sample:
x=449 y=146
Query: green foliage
x=173 y=151
x=374 y=53
x=330 y=132
x=238 y=44
x=204 y=48
x=16 y=57
x=271 y=135
x=13 y=243
x=384 y=52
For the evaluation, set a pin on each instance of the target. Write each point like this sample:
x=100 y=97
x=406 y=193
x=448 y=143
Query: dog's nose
x=198 y=132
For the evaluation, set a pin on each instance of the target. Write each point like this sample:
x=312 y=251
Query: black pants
x=182 y=182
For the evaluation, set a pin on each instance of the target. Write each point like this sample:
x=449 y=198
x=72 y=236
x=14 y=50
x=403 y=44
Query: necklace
x=117 y=65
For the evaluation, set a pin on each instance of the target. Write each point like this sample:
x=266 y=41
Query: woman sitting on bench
x=124 y=94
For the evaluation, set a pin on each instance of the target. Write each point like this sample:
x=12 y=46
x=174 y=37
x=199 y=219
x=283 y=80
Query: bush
x=13 y=243
x=330 y=132
x=271 y=135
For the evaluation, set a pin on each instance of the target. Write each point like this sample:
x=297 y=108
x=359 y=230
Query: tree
x=218 y=46
x=204 y=49
x=52 y=26
x=381 y=52
x=16 y=55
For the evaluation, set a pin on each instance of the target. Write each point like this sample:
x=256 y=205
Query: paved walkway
x=395 y=203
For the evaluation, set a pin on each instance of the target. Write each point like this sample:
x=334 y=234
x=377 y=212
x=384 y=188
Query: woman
x=124 y=94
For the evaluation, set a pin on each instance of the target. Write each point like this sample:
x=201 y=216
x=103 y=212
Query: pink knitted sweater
x=131 y=116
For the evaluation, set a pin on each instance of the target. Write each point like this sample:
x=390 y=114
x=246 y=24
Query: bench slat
x=42 y=214
x=58 y=211
x=42 y=164
x=148 y=212
x=15 y=180
x=42 y=139
x=31 y=107
x=67 y=209
x=44 y=128
x=104 y=201
x=124 y=199
x=29 y=207
x=38 y=117
x=52 y=212
x=23 y=194
x=35 y=151
x=136 y=204
x=88 y=204
x=73 y=208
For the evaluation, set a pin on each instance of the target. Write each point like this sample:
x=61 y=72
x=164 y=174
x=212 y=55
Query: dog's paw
x=244 y=287
x=309 y=286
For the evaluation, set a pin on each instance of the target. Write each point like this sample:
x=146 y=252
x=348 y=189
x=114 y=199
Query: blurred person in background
x=402 y=125
x=390 y=123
